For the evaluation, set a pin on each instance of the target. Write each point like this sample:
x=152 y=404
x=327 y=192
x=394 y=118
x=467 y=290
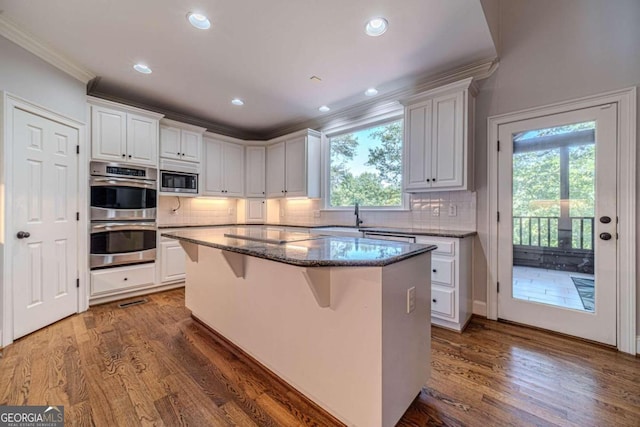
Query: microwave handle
x=133 y=182
x=99 y=228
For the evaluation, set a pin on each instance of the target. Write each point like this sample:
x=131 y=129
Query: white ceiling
x=262 y=51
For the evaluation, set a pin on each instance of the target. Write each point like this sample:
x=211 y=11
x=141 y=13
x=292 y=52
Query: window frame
x=392 y=115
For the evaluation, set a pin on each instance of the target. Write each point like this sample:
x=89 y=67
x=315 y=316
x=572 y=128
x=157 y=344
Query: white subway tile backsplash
x=195 y=211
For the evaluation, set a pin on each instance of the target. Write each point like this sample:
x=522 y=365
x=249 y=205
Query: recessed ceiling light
x=372 y=91
x=324 y=109
x=376 y=27
x=237 y=101
x=141 y=68
x=199 y=21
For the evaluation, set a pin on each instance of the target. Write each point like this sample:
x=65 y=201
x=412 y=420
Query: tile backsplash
x=423 y=207
x=195 y=211
x=209 y=211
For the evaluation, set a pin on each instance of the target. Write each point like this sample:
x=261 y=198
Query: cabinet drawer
x=118 y=279
x=442 y=302
x=442 y=271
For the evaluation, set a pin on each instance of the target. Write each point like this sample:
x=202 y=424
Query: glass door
x=557 y=229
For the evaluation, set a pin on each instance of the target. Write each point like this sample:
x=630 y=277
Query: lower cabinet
x=121 y=280
x=172 y=261
x=451 y=293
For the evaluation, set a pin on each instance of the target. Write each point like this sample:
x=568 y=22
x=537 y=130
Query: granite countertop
x=382 y=230
x=316 y=251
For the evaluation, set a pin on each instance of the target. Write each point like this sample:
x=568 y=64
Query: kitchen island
x=343 y=320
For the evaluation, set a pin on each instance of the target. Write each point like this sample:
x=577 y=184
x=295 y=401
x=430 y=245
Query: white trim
x=127 y=108
x=638 y=344
x=181 y=125
x=480 y=308
x=11 y=31
x=626 y=196
x=9 y=103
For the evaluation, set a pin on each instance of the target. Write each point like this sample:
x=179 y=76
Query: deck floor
x=547 y=286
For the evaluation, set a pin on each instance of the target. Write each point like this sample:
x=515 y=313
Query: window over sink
x=365 y=167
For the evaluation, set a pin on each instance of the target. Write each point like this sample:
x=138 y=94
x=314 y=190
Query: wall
x=421 y=215
x=196 y=211
x=553 y=51
x=27 y=76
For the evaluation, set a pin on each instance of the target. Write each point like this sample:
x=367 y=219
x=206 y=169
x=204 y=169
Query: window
x=365 y=166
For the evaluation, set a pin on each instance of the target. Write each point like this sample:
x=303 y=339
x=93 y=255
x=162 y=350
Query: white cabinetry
x=123 y=134
x=293 y=166
x=438 y=148
x=122 y=280
x=256 y=210
x=172 y=261
x=255 y=158
x=451 y=299
x=180 y=141
x=223 y=169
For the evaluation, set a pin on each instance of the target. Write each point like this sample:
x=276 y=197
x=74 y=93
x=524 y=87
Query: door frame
x=626 y=203
x=8 y=103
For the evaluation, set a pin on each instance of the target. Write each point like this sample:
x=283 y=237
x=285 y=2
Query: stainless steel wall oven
x=123 y=214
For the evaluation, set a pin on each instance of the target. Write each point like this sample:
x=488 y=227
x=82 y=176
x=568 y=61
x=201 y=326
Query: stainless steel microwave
x=178 y=177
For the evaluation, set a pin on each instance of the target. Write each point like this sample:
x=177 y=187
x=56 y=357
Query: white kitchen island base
x=362 y=358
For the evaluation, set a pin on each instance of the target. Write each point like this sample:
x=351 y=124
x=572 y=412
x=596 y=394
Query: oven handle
x=133 y=182
x=118 y=226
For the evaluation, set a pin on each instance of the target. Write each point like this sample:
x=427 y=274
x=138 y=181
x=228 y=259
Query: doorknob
x=605 y=219
x=23 y=235
x=605 y=236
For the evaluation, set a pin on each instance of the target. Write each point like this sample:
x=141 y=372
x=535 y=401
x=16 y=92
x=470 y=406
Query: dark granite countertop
x=317 y=251
x=382 y=230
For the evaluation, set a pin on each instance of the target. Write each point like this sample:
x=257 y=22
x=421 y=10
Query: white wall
x=553 y=51
x=27 y=76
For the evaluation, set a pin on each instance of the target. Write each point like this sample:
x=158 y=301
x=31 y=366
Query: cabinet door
x=170 y=142
x=191 y=146
x=233 y=158
x=108 y=134
x=172 y=262
x=448 y=139
x=255 y=171
x=213 y=180
x=256 y=210
x=142 y=140
x=296 y=167
x=275 y=170
x=417 y=150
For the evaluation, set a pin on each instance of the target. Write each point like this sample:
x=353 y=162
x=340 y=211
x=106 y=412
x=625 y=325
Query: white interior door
x=557 y=237
x=45 y=231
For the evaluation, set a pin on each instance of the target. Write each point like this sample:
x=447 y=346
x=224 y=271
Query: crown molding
x=11 y=31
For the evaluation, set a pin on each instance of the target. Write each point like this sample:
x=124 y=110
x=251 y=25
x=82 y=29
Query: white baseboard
x=480 y=308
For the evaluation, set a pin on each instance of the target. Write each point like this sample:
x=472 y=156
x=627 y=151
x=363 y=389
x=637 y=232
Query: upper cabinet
x=180 y=141
x=255 y=165
x=120 y=133
x=438 y=138
x=223 y=168
x=293 y=166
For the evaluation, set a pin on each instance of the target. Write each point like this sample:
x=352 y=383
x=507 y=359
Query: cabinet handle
x=434 y=270
x=428 y=180
x=263 y=192
x=129 y=155
x=178 y=154
x=433 y=179
x=125 y=279
x=434 y=300
x=124 y=155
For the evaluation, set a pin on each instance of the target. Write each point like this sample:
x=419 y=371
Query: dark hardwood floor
x=151 y=364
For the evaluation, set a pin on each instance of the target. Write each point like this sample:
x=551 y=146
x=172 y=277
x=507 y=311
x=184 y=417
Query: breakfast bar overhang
x=346 y=321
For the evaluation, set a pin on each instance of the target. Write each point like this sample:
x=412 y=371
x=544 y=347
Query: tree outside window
x=366 y=167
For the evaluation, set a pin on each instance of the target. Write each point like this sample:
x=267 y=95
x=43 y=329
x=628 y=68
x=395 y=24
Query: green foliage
x=379 y=186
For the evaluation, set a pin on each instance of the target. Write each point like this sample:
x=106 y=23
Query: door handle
x=605 y=219
x=23 y=235
x=605 y=236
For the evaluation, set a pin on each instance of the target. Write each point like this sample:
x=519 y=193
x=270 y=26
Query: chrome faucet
x=357 y=214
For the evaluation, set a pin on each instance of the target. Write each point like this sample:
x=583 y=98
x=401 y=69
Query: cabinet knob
x=428 y=180
x=126 y=278
x=434 y=300
x=129 y=155
x=178 y=154
x=434 y=270
x=263 y=192
x=124 y=155
x=433 y=179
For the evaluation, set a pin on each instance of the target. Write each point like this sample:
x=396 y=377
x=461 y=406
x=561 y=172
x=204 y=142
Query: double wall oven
x=123 y=214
